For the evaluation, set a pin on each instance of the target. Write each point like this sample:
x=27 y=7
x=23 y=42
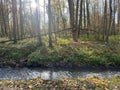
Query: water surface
x=27 y=73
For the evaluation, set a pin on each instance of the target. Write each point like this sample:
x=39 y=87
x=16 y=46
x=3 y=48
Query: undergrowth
x=65 y=51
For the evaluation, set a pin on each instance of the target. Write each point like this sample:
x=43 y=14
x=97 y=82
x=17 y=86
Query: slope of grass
x=81 y=53
x=65 y=53
x=11 y=53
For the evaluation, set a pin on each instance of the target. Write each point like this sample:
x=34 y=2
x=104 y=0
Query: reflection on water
x=25 y=73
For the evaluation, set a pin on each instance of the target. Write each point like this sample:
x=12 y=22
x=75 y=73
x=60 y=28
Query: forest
x=61 y=40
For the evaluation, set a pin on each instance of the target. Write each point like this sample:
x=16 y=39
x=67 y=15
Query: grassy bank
x=11 y=54
x=62 y=84
x=65 y=53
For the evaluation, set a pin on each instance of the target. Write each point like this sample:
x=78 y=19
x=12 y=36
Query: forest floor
x=93 y=83
x=66 y=53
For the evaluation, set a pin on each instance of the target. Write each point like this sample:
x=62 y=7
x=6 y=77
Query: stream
x=31 y=73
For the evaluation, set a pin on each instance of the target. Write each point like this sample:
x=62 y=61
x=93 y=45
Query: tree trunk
x=72 y=20
x=14 y=9
x=21 y=20
x=38 y=23
x=50 y=27
x=80 y=19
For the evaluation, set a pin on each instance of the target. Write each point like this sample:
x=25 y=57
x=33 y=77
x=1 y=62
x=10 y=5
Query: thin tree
x=50 y=24
x=14 y=9
x=72 y=20
x=37 y=14
x=80 y=18
x=21 y=19
x=77 y=12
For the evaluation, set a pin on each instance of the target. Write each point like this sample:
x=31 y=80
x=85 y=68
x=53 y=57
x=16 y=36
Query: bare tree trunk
x=14 y=9
x=114 y=16
x=21 y=20
x=63 y=21
x=38 y=23
x=80 y=19
x=77 y=7
x=119 y=15
x=50 y=20
x=88 y=17
x=72 y=20
x=84 y=14
x=4 y=18
x=106 y=32
x=110 y=17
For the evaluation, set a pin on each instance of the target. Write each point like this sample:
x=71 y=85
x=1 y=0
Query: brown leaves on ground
x=61 y=84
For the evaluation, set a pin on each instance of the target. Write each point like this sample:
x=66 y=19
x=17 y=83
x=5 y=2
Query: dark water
x=25 y=73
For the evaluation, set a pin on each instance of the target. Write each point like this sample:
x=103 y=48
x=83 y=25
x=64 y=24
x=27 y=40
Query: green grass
x=114 y=38
x=65 y=51
x=99 y=37
x=17 y=51
x=100 y=54
x=4 y=39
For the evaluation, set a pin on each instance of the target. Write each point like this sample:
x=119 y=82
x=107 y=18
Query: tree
x=50 y=24
x=118 y=15
x=106 y=32
x=37 y=13
x=72 y=20
x=4 y=18
x=77 y=8
x=88 y=15
x=80 y=18
x=21 y=19
x=14 y=9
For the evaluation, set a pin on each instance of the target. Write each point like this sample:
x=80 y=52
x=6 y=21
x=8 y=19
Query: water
x=27 y=73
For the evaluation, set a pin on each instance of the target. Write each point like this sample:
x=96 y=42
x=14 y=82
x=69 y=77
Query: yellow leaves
x=96 y=81
x=63 y=41
x=69 y=84
x=85 y=84
x=81 y=79
x=66 y=83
